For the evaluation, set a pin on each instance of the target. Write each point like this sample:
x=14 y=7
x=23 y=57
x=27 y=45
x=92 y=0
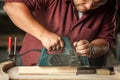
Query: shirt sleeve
x=35 y=4
x=108 y=30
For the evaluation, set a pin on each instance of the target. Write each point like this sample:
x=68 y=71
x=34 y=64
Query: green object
x=69 y=57
x=44 y=61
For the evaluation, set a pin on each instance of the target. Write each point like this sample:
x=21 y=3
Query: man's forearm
x=100 y=47
x=22 y=18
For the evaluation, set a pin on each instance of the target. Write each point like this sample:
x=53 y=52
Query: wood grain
x=47 y=70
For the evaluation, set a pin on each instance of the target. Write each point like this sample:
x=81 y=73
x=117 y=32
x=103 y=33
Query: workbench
x=10 y=72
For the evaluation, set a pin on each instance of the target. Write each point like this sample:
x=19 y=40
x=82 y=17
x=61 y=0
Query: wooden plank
x=46 y=70
x=14 y=75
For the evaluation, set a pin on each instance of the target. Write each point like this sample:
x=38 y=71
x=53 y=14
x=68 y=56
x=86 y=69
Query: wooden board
x=13 y=73
x=48 y=75
x=35 y=70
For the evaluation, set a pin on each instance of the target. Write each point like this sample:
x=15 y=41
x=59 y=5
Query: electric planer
x=68 y=58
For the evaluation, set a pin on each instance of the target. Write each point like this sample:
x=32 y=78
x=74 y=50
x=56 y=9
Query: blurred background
x=7 y=28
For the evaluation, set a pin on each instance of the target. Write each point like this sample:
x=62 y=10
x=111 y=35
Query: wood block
x=46 y=70
x=103 y=71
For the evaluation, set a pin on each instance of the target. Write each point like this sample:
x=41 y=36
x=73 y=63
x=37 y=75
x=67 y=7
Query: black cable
x=27 y=52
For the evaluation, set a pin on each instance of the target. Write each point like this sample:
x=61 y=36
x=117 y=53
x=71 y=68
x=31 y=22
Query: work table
x=9 y=71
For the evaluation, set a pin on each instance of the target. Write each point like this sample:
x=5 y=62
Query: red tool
x=9 y=45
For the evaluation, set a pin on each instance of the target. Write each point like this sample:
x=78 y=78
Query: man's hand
x=52 y=41
x=82 y=47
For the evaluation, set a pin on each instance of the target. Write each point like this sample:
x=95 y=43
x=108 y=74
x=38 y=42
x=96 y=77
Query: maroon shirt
x=59 y=16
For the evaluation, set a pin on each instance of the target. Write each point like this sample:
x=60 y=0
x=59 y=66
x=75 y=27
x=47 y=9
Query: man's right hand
x=52 y=41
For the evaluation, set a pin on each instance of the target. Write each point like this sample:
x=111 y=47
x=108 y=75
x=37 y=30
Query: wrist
x=92 y=51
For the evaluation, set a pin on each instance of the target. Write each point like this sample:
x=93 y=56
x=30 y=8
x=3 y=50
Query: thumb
x=75 y=44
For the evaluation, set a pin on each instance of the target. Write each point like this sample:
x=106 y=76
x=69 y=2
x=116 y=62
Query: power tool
x=68 y=58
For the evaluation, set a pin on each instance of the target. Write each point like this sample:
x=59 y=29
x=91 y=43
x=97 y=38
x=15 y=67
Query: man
x=89 y=24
